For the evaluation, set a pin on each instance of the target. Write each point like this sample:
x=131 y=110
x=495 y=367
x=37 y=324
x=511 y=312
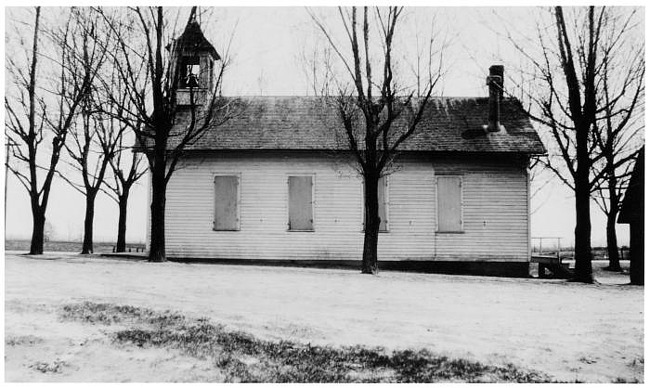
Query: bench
x=552 y=264
x=131 y=247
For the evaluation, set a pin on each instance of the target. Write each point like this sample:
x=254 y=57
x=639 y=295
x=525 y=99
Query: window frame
x=214 y=195
x=461 y=204
x=386 y=204
x=185 y=63
x=313 y=202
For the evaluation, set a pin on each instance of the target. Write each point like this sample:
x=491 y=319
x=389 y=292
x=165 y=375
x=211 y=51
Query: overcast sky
x=266 y=51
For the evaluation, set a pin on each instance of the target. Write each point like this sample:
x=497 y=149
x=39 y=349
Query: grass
x=22 y=340
x=108 y=314
x=241 y=357
x=55 y=366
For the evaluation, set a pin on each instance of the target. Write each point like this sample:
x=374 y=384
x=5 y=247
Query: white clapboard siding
x=263 y=214
x=411 y=213
x=495 y=211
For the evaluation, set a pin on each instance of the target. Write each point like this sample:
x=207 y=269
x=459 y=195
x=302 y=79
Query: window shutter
x=383 y=203
x=226 y=202
x=449 y=190
x=301 y=203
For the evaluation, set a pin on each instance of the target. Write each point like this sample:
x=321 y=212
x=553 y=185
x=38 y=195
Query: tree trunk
x=121 y=223
x=87 y=246
x=158 y=197
x=612 y=243
x=583 y=271
x=38 y=231
x=371 y=235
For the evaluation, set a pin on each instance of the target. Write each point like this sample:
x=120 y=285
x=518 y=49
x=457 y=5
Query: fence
x=540 y=248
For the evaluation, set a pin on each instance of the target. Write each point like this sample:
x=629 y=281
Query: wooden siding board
x=494 y=213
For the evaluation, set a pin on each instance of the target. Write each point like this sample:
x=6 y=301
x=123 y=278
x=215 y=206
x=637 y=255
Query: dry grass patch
x=28 y=340
x=55 y=366
x=241 y=357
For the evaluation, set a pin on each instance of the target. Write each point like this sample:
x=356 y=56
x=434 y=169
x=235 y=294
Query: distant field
x=65 y=246
x=107 y=247
x=600 y=253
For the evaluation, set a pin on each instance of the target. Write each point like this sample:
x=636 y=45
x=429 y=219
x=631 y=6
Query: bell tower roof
x=192 y=40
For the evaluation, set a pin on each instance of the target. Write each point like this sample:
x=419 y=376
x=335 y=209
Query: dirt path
x=571 y=331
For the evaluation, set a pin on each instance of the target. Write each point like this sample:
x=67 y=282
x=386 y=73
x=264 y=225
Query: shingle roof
x=311 y=123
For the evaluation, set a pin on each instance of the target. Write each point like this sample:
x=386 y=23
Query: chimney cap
x=498 y=69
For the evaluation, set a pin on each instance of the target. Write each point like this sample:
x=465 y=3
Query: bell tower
x=193 y=56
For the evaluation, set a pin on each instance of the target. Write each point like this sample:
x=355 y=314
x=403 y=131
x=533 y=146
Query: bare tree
x=571 y=104
x=148 y=61
x=93 y=146
x=116 y=139
x=539 y=178
x=38 y=116
x=376 y=113
x=620 y=124
x=126 y=172
x=93 y=140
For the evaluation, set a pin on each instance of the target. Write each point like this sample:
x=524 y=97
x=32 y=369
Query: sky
x=266 y=55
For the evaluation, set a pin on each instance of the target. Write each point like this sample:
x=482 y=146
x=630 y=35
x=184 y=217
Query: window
x=226 y=202
x=190 y=72
x=301 y=210
x=450 y=204
x=382 y=199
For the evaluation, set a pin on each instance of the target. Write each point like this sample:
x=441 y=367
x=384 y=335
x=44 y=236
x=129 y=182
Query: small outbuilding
x=632 y=213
